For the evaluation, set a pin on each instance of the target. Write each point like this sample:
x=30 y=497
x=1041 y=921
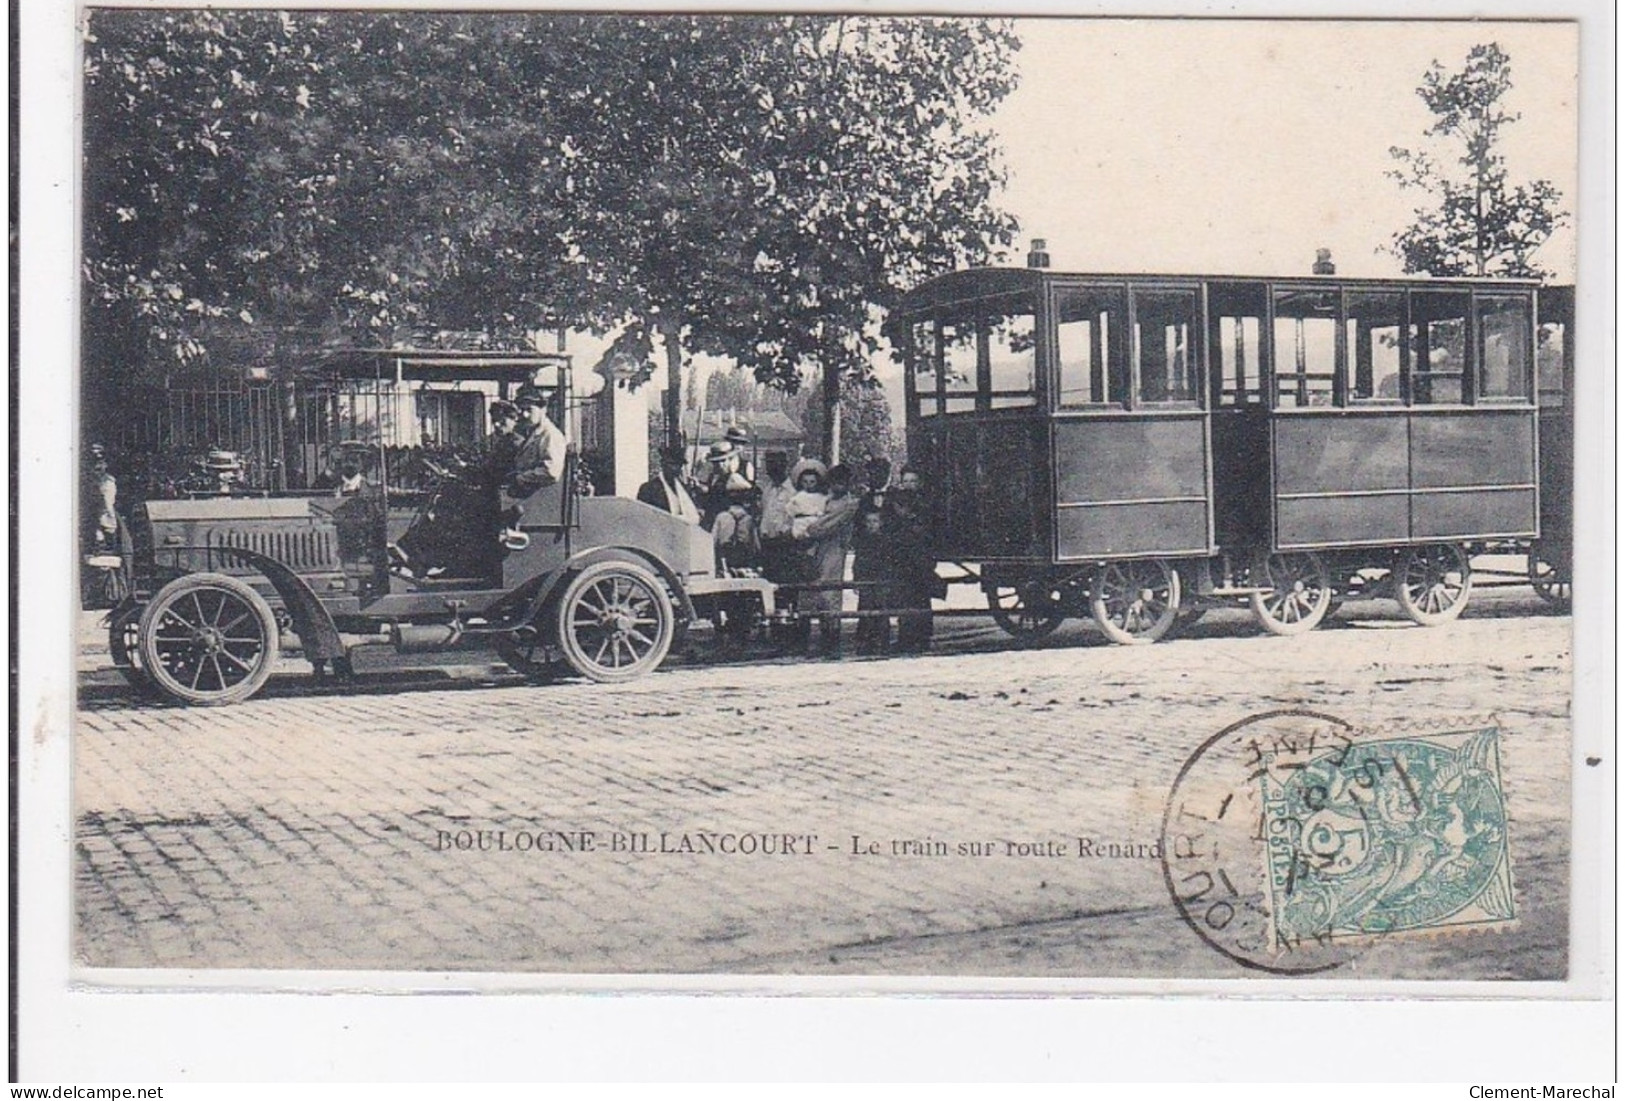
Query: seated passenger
x=346 y=473
x=540 y=459
x=503 y=446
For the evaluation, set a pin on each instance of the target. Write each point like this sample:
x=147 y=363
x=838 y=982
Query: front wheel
x=1433 y=583
x=1299 y=596
x=615 y=622
x=1135 y=602
x=208 y=639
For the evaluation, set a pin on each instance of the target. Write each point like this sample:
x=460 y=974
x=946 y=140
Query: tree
x=777 y=180
x=865 y=417
x=1481 y=223
x=753 y=187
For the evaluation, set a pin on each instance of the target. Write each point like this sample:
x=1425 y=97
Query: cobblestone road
x=320 y=829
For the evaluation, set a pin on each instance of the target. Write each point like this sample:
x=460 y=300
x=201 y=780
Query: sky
x=1220 y=146
x=1242 y=146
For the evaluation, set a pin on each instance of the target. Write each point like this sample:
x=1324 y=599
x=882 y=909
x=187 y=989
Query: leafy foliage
x=866 y=422
x=755 y=187
x=1481 y=223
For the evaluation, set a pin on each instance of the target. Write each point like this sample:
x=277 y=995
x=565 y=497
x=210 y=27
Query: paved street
x=768 y=815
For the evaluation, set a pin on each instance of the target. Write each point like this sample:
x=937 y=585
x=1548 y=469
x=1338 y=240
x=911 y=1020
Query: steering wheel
x=440 y=473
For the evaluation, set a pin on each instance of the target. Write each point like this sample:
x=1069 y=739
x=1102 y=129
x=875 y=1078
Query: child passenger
x=810 y=499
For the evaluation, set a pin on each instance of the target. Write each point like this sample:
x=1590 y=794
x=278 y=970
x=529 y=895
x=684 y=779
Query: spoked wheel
x=1300 y=593
x=124 y=644
x=1433 y=583
x=1551 y=581
x=1135 y=602
x=1027 y=611
x=208 y=639
x=615 y=622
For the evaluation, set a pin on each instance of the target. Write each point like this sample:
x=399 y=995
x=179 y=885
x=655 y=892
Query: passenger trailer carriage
x=1140 y=448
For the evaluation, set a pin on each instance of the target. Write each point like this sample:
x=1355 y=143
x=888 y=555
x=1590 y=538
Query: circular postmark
x=1215 y=839
x=1287 y=842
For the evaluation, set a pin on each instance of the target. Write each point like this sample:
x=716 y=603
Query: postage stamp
x=1293 y=838
x=1391 y=836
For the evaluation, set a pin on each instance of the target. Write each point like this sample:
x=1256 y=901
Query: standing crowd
x=797 y=526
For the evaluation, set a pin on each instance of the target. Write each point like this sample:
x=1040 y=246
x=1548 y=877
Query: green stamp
x=1387 y=836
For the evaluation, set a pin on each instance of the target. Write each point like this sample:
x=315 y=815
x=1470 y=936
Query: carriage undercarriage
x=1139 y=601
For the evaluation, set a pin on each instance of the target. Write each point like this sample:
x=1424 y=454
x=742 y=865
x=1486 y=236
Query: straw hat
x=805 y=465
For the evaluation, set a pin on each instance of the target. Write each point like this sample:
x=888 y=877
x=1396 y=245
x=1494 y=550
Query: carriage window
x=1550 y=345
x=1236 y=333
x=1372 y=337
x=923 y=361
x=1503 y=333
x=1089 y=327
x=959 y=358
x=1240 y=361
x=1438 y=347
x=1305 y=348
x=1012 y=362
x=1163 y=324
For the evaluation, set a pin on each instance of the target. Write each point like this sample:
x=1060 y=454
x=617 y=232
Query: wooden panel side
x=1477 y=447
x=1106 y=459
x=1340 y=453
x=1151 y=529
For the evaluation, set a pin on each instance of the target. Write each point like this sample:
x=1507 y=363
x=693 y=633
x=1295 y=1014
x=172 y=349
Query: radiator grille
x=311 y=549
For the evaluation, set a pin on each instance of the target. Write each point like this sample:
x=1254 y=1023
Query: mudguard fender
x=317 y=632
x=539 y=591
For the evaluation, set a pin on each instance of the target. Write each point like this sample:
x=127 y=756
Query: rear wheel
x=1299 y=596
x=1135 y=602
x=1028 y=610
x=1433 y=583
x=124 y=644
x=208 y=639
x=1550 y=580
x=615 y=622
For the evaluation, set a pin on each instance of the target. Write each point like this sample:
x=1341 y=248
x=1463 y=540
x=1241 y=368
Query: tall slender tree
x=1478 y=222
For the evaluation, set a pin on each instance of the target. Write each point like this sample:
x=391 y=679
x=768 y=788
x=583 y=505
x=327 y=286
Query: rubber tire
x=263 y=619
x=579 y=588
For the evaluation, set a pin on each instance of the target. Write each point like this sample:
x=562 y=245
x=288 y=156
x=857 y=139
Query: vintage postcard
x=831 y=502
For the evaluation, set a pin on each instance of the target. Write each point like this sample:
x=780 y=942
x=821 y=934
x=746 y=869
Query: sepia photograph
x=831 y=502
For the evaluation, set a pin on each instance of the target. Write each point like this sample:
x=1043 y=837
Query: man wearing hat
x=740 y=439
x=667 y=491
x=502 y=448
x=539 y=461
x=726 y=485
x=224 y=471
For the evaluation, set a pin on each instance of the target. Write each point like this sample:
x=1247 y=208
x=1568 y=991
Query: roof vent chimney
x=1037 y=257
x=1323 y=262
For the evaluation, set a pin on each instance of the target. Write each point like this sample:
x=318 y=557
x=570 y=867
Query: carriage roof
x=986 y=282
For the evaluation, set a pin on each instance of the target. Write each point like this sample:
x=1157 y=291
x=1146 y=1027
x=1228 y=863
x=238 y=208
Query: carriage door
x=1241 y=446
x=980 y=435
